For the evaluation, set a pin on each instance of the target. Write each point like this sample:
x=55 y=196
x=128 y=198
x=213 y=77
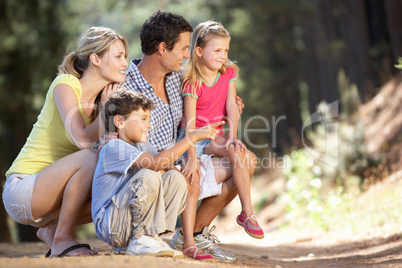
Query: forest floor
x=374 y=249
x=360 y=246
x=365 y=250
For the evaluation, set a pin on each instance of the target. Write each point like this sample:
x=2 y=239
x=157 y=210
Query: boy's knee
x=176 y=178
x=151 y=179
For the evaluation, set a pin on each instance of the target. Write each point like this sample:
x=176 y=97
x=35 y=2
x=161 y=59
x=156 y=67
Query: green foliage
x=34 y=38
x=306 y=192
x=318 y=188
x=399 y=65
x=313 y=204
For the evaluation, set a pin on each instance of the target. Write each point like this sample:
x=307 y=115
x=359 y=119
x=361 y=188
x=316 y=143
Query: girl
x=48 y=185
x=209 y=94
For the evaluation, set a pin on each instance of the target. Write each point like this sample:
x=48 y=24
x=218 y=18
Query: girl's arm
x=167 y=157
x=67 y=103
x=233 y=116
x=191 y=166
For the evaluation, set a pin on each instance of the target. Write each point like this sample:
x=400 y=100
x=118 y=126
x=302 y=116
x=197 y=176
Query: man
x=165 y=39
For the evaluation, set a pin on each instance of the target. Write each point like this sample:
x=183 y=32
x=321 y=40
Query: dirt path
x=323 y=251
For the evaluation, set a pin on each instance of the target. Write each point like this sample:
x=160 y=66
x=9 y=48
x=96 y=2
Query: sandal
x=254 y=230
x=49 y=253
x=197 y=254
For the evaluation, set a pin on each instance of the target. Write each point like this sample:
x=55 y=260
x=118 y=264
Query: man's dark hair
x=123 y=103
x=162 y=27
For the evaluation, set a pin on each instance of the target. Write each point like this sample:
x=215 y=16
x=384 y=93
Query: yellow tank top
x=49 y=140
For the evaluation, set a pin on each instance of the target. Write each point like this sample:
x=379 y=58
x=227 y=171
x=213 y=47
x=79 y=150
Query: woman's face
x=113 y=64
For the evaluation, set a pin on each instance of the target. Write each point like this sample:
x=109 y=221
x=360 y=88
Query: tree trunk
x=4 y=231
x=336 y=37
x=353 y=29
x=393 y=9
x=320 y=57
x=27 y=233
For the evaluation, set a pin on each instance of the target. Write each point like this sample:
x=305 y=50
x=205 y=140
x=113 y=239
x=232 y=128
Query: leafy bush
x=318 y=187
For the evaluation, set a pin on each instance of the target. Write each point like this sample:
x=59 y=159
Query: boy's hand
x=207 y=132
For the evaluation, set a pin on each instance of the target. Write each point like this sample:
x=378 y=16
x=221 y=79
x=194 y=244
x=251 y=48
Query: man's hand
x=240 y=104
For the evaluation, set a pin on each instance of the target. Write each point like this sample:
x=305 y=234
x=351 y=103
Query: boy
x=135 y=196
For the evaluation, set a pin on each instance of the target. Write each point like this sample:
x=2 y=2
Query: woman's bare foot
x=58 y=247
x=46 y=233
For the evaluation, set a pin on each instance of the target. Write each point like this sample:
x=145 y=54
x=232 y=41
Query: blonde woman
x=49 y=183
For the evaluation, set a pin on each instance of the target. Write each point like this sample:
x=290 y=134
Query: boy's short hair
x=123 y=103
x=162 y=27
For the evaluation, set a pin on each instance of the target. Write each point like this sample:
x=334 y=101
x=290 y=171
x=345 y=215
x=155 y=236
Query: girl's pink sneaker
x=253 y=230
x=196 y=253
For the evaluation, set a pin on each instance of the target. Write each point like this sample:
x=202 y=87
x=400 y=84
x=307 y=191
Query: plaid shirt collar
x=165 y=118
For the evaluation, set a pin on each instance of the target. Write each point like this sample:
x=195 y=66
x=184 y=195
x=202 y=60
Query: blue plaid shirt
x=165 y=118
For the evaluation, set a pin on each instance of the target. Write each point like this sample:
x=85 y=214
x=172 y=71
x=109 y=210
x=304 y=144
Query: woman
x=49 y=184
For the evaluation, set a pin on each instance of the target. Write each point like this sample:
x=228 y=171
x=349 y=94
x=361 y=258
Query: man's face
x=174 y=58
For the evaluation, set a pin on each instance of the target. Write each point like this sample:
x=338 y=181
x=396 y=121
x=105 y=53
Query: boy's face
x=135 y=128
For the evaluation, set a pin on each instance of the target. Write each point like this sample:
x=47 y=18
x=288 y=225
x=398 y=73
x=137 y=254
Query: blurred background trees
x=293 y=55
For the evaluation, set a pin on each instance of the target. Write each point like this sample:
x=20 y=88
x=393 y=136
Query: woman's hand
x=238 y=145
x=105 y=138
x=107 y=91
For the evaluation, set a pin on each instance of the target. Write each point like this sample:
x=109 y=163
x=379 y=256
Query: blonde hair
x=204 y=32
x=95 y=40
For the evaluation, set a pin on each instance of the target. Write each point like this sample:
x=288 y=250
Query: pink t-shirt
x=211 y=101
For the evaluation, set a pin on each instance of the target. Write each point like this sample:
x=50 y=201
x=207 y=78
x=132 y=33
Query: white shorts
x=17 y=194
x=208 y=185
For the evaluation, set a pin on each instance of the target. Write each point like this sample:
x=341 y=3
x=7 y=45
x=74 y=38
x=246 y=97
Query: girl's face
x=135 y=127
x=214 y=53
x=113 y=64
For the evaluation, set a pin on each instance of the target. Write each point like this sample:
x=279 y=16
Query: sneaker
x=148 y=245
x=119 y=251
x=177 y=253
x=253 y=230
x=205 y=241
x=197 y=254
